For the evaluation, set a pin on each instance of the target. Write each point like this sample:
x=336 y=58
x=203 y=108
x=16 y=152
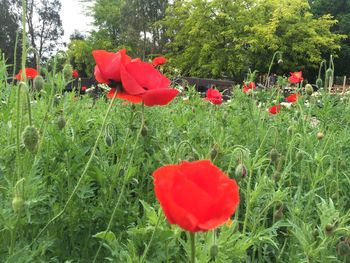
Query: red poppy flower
x=83 y=88
x=159 y=61
x=275 y=109
x=197 y=196
x=75 y=74
x=30 y=73
x=292 y=98
x=140 y=80
x=296 y=77
x=214 y=96
x=247 y=87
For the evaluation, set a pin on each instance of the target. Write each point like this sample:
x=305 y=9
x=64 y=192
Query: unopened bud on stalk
x=300 y=156
x=17 y=204
x=343 y=248
x=280 y=61
x=320 y=136
x=30 y=138
x=109 y=140
x=274 y=155
x=214 y=251
x=67 y=72
x=214 y=152
x=319 y=83
x=329 y=229
x=279 y=213
x=38 y=83
x=61 y=122
x=144 y=131
x=241 y=171
x=309 y=89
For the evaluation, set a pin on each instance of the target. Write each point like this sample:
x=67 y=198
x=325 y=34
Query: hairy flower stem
x=18 y=133
x=126 y=176
x=152 y=236
x=267 y=83
x=193 y=247
x=15 y=56
x=81 y=177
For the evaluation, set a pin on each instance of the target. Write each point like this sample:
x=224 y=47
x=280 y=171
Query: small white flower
x=287 y=105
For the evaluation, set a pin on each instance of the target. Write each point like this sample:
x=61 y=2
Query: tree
x=131 y=24
x=340 y=9
x=223 y=38
x=44 y=25
x=9 y=27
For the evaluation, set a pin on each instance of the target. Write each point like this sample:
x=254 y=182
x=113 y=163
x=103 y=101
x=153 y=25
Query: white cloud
x=74 y=17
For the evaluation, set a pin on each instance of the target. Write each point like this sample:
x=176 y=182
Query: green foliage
x=223 y=38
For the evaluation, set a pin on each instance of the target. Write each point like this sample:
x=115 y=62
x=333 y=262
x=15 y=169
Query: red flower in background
x=140 y=81
x=214 y=96
x=159 y=61
x=197 y=196
x=296 y=77
x=83 y=88
x=275 y=109
x=75 y=74
x=247 y=87
x=292 y=98
x=30 y=73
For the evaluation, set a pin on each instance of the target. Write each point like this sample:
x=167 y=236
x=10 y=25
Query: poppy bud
x=319 y=83
x=67 y=72
x=214 y=250
x=109 y=140
x=315 y=233
x=38 y=83
x=300 y=156
x=309 y=89
x=144 y=131
x=329 y=229
x=290 y=131
x=329 y=73
x=320 y=136
x=280 y=61
x=17 y=204
x=61 y=122
x=240 y=171
x=56 y=100
x=274 y=155
x=343 y=249
x=342 y=164
x=279 y=213
x=329 y=171
x=276 y=176
x=30 y=138
x=214 y=152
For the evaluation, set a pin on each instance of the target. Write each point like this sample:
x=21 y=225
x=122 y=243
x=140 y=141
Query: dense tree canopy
x=223 y=38
x=340 y=9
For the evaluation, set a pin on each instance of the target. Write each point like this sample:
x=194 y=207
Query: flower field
x=147 y=173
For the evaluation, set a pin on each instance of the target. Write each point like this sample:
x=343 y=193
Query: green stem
x=193 y=247
x=24 y=39
x=18 y=132
x=124 y=181
x=81 y=177
x=29 y=107
x=267 y=83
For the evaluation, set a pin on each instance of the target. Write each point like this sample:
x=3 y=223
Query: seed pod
x=343 y=249
x=274 y=155
x=61 y=122
x=214 y=251
x=309 y=89
x=38 y=83
x=240 y=171
x=320 y=136
x=319 y=83
x=30 y=138
x=17 y=204
x=67 y=72
x=109 y=140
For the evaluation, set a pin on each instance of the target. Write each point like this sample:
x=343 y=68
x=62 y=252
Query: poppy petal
x=130 y=84
x=159 y=96
x=109 y=64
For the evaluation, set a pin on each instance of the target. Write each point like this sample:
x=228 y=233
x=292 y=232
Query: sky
x=73 y=15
